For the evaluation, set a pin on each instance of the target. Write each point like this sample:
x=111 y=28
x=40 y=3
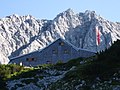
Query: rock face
x=24 y=34
x=41 y=81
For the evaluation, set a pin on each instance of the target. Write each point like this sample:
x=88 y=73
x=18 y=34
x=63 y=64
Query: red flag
x=97 y=35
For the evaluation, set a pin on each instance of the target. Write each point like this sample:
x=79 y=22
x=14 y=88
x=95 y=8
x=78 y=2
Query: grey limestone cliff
x=24 y=34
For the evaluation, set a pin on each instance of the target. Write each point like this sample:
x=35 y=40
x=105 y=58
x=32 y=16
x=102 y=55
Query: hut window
x=66 y=51
x=30 y=59
x=54 y=51
x=33 y=59
x=48 y=62
x=61 y=43
x=27 y=59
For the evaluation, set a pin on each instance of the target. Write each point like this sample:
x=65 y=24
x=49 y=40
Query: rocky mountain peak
x=69 y=11
x=24 y=34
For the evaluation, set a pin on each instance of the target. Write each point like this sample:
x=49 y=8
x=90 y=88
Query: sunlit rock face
x=24 y=34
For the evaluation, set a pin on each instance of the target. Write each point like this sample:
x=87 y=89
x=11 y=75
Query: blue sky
x=48 y=9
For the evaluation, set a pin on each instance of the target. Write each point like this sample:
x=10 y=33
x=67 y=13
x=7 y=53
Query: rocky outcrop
x=24 y=34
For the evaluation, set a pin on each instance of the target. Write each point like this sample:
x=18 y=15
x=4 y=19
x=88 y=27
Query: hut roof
x=77 y=49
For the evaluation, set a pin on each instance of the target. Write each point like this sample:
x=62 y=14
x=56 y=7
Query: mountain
x=24 y=34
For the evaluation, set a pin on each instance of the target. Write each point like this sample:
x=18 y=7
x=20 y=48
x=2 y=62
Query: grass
x=88 y=72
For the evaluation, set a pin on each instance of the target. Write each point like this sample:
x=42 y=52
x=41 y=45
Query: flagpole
x=96 y=38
